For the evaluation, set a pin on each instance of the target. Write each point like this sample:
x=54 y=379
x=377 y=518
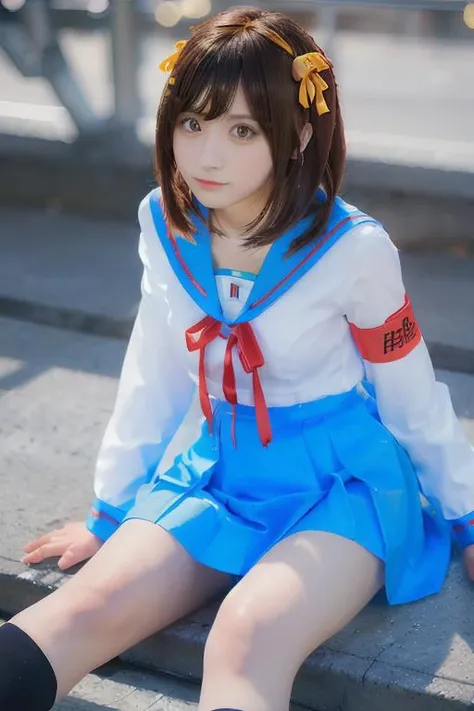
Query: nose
x=212 y=152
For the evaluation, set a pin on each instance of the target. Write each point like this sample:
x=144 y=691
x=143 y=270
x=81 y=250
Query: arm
x=413 y=406
x=154 y=395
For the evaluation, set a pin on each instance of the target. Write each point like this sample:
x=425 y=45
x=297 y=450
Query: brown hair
x=221 y=53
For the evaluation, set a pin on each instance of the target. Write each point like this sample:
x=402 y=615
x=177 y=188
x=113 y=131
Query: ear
x=306 y=135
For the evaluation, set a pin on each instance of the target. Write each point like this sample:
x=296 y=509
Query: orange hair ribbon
x=306 y=69
x=169 y=63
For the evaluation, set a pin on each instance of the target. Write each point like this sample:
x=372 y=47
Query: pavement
x=69 y=288
x=130 y=690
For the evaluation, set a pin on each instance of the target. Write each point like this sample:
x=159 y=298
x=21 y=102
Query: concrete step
x=57 y=390
x=124 y=689
x=83 y=274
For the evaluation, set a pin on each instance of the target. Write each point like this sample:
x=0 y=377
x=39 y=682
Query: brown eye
x=244 y=132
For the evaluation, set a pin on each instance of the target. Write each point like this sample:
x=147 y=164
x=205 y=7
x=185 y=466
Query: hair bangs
x=258 y=83
x=209 y=83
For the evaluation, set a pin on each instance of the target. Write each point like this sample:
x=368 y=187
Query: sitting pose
x=328 y=463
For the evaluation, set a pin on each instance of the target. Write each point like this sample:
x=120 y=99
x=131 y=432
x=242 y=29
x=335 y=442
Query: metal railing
x=30 y=40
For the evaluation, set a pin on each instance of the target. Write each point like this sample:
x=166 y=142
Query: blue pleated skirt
x=331 y=466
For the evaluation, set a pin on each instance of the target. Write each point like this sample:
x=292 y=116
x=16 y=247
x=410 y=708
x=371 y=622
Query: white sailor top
x=306 y=314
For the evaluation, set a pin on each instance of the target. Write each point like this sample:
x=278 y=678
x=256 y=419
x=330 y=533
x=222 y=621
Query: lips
x=209 y=183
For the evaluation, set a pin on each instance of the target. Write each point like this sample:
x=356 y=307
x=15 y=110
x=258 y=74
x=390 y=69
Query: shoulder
x=356 y=234
x=365 y=265
x=366 y=246
x=371 y=244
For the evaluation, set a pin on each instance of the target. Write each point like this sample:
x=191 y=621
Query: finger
x=469 y=561
x=470 y=570
x=41 y=541
x=73 y=556
x=47 y=550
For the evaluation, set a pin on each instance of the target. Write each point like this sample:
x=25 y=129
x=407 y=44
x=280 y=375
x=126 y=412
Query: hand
x=73 y=543
x=469 y=560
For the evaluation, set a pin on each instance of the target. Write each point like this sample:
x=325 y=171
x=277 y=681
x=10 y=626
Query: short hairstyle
x=222 y=53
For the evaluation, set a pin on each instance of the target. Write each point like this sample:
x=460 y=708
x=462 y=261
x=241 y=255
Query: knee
x=235 y=640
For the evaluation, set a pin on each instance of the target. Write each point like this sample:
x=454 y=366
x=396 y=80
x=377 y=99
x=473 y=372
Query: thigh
x=147 y=578
x=303 y=591
x=139 y=582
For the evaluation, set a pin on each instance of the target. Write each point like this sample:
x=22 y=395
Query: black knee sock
x=27 y=680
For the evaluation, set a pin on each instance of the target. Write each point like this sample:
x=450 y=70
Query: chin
x=213 y=202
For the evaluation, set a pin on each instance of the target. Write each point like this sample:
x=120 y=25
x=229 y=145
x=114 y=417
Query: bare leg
x=139 y=582
x=300 y=594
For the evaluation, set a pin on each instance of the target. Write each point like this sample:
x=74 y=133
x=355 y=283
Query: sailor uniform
x=321 y=408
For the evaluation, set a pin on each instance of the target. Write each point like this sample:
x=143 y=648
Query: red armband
x=393 y=340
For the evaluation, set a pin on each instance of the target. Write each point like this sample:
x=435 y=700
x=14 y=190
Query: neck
x=234 y=220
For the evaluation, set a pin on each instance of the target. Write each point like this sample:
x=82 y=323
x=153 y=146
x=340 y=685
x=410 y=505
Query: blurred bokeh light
x=97 y=7
x=195 y=9
x=469 y=15
x=13 y=5
x=170 y=12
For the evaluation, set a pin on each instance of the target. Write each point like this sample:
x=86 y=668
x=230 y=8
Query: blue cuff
x=463 y=530
x=104 y=519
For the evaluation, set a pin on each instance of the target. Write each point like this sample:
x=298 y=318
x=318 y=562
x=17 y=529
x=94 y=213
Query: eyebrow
x=230 y=117
x=241 y=117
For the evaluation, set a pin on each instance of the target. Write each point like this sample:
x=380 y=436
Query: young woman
x=284 y=308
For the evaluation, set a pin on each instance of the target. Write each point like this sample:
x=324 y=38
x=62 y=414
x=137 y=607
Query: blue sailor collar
x=192 y=261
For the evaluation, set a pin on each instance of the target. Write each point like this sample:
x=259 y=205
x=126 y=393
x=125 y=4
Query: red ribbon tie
x=251 y=357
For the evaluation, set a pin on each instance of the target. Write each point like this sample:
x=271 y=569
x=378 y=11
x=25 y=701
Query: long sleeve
x=413 y=406
x=154 y=395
